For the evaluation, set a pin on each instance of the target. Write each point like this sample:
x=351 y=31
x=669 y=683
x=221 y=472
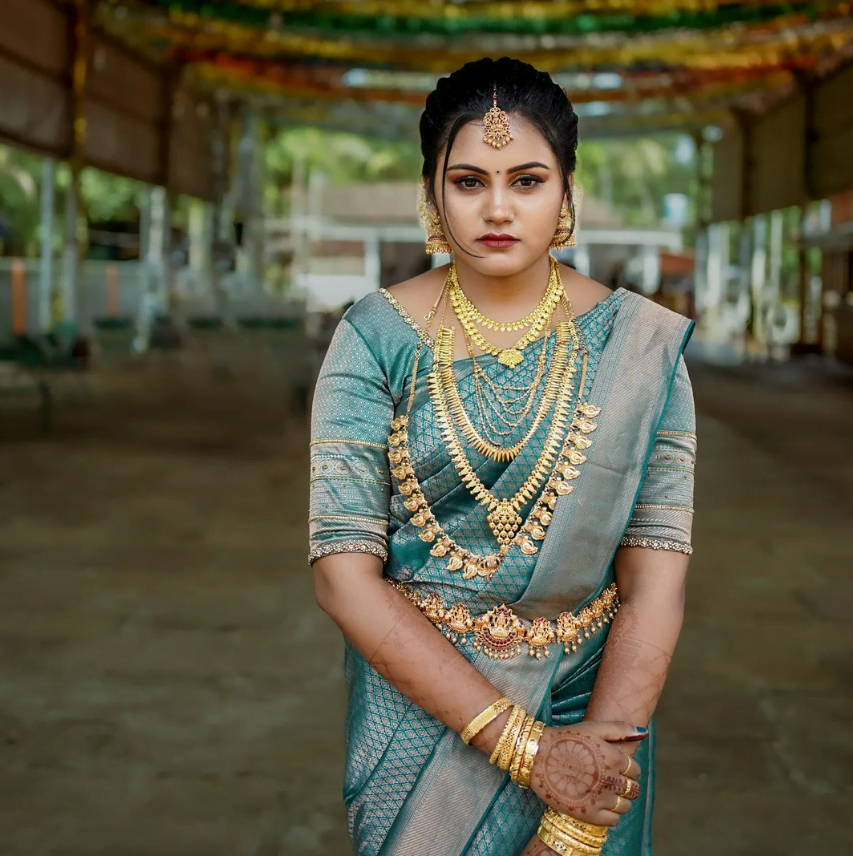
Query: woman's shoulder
x=410 y=299
x=418 y=293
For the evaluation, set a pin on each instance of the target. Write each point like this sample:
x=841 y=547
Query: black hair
x=466 y=96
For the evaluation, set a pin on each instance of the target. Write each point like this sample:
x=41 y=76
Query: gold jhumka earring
x=565 y=234
x=496 y=124
x=436 y=242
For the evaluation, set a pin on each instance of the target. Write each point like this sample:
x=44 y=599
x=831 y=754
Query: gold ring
x=625 y=773
x=629 y=786
x=618 y=803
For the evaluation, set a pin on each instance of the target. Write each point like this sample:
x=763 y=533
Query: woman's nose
x=497 y=206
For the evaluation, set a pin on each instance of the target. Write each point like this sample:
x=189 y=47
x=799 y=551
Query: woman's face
x=502 y=205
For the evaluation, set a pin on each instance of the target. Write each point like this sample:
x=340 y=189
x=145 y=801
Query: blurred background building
x=207 y=162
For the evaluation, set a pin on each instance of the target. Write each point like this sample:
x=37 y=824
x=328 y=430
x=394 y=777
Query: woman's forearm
x=642 y=639
x=402 y=645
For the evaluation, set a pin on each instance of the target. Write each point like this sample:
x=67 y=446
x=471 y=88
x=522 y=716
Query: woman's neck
x=505 y=298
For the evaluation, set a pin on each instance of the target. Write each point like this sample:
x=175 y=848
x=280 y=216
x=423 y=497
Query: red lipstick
x=497 y=242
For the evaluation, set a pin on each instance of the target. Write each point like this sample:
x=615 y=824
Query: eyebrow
x=469 y=167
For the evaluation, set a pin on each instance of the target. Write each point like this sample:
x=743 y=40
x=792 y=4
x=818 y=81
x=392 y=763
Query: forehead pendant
x=496 y=124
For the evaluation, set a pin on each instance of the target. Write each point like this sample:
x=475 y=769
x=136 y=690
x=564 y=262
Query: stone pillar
x=154 y=242
x=758 y=275
x=67 y=309
x=46 y=269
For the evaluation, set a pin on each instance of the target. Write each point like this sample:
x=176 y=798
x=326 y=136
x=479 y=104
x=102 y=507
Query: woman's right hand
x=580 y=770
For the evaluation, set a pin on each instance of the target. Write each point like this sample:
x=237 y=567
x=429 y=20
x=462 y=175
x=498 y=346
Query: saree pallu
x=412 y=786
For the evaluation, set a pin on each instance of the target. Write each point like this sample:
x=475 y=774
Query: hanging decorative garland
x=607 y=16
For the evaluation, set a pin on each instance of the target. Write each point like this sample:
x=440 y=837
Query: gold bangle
x=578 y=839
x=531 y=748
x=509 y=743
x=479 y=722
x=496 y=753
x=582 y=825
x=563 y=845
x=514 y=716
x=518 y=748
x=588 y=833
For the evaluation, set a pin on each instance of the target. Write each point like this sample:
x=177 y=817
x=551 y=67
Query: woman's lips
x=497 y=241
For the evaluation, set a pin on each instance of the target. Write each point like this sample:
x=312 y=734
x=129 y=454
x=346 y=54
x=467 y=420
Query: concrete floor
x=168 y=687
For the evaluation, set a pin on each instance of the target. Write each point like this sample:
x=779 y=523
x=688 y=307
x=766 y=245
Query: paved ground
x=167 y=687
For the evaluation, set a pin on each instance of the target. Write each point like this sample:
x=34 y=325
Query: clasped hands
x=581 y=770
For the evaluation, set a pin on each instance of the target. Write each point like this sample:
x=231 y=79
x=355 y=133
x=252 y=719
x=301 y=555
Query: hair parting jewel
x=496 y=124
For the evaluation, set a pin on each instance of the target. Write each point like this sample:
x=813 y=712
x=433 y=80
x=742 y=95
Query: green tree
x=19 y=201
x=633 y=175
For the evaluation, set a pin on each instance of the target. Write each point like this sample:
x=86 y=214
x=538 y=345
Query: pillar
x=46 y=270
x=67 y=310
x=758 y=275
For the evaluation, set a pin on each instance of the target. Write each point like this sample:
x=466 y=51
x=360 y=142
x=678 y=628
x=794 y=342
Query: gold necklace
x=503 y=407
x=508 y=326
x=447 y=399
x=512 y=356
x=503 y=515
x=458 y=558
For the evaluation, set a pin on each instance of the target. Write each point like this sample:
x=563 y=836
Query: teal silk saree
x=411 y=785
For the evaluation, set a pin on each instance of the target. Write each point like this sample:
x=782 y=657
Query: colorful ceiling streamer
x=671 y=62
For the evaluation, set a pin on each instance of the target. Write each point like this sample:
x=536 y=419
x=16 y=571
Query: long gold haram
x=558 y=484
x=512 y=356
x=442 y=384
x=503 y=516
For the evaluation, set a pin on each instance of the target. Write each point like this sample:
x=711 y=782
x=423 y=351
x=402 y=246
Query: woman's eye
x=468 y=182
x=528 y=181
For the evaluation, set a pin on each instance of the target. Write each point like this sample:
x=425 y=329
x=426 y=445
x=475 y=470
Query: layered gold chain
x=558 y=484
x=447 y=399
x=468 y=316
x=506 y=397
x=557 y=466
x=503 y=516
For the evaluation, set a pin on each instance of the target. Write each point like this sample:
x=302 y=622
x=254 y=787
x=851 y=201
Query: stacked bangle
x=569 y=836
x=502 y=755
x=479 y=722
x=531 y=748
x=517 y=746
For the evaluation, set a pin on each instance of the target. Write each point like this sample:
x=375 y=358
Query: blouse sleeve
x=662 y=517
x=350 y=479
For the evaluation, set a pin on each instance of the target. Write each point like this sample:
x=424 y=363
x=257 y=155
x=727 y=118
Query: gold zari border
x=502 y=635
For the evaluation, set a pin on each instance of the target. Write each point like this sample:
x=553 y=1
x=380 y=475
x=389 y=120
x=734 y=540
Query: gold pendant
x=504 y=521
x=511 y=357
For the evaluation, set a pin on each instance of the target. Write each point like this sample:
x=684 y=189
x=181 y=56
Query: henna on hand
x=573 y=770
x=579 y=768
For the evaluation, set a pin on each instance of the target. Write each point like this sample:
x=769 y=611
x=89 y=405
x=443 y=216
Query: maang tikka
x=496 y=124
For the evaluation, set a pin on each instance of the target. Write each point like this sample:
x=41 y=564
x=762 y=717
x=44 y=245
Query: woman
x=499 y=447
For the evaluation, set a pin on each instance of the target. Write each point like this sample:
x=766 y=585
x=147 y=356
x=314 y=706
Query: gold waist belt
x=501 y=634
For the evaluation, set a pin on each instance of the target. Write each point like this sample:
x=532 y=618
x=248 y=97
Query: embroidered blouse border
x=657 y=544
x=330 y=440
x=403 y=313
